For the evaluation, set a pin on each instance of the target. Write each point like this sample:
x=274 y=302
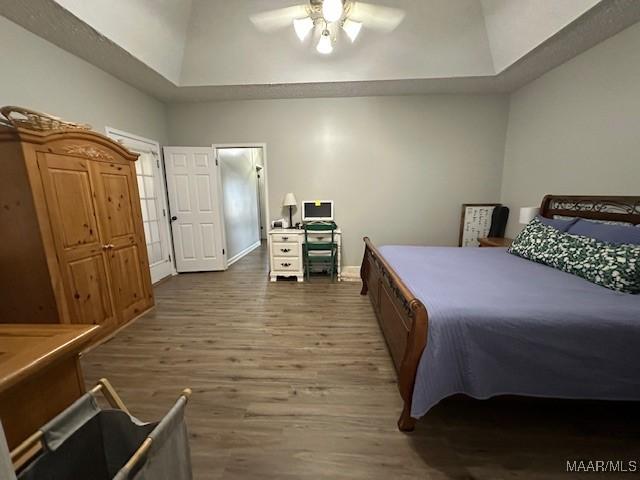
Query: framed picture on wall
x=475 y=222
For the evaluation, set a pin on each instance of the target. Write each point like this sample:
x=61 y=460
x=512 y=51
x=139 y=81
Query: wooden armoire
x=72 y=247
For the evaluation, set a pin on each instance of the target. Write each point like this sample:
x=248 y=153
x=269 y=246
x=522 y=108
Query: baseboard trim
x=244 y=252
x=164 y=279
x=350 y=273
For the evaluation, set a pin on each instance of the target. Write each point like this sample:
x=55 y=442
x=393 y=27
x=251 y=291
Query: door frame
x=261 y=204
x=121 y=137
x=265 y=172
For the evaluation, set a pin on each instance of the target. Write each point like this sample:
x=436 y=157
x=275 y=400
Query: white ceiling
x=515 y=27
x=438 y=38
x=205 y=42
x=208 y=49
x=153 y=31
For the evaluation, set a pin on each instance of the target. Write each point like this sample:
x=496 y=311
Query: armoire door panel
x=114 y=193
x=126 y=274
x=118 y=205
x=72 y=191
x=121 y=224
x=91 y=301
x=81 y=250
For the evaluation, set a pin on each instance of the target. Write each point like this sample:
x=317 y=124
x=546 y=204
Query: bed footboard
x=403 y=320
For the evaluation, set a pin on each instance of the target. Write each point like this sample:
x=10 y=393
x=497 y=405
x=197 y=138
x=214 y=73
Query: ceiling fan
x=329 y=16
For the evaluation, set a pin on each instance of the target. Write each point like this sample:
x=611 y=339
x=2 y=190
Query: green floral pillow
x=613 y=266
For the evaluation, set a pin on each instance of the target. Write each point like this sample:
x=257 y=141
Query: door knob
x=174 y=218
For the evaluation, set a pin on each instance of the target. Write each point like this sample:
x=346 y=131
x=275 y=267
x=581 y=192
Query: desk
x=40 y=374
x=285 y=251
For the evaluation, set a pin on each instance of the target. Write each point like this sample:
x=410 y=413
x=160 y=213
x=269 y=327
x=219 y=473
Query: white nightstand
x=285 y=251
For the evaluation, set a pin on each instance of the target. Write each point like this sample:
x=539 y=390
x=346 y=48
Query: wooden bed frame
x=404 y=320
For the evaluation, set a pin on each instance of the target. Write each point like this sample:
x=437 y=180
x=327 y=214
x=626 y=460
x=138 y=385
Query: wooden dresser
x=73 y=248
x=40 y=374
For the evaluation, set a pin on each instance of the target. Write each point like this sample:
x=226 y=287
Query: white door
x=194 y=205
x=153 y=201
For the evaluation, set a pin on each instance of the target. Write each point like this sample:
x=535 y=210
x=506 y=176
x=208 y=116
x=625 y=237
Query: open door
x=194 y=205
x=153 y=201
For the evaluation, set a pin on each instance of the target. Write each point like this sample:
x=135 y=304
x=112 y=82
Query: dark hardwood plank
x=294 y=381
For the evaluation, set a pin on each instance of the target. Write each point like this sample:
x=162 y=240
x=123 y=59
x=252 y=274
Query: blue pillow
x=558 y=223
x=604 y=232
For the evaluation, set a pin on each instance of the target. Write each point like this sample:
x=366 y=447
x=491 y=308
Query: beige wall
x=398 y=168
x=39 y=75
x=576 y=130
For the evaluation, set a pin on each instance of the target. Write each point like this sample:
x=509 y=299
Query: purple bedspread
x=499 y=324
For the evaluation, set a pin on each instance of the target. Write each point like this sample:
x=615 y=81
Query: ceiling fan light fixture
x=352 y=29
x=303 y=26
x=325 y=46
x=332 y=10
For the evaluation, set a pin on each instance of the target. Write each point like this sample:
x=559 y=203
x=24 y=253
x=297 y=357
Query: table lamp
x=527 y=214
x=290 y=201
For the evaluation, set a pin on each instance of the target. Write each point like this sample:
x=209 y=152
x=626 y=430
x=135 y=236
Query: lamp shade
x=289 y=200
x=302 y=26
x=352 y=28
x=325 y=46
x=527 y=214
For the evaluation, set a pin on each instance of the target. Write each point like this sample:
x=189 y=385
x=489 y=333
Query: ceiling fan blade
x=377 y=17
x=275 y=19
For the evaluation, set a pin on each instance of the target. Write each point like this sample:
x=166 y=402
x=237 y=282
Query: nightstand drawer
x=284 y=237
x=285 y=249
x=286 y=264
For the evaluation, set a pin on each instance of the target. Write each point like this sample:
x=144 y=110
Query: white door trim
x=121 y=136
x=265 y=172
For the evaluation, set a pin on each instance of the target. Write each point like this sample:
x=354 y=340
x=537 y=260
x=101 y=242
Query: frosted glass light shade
x=332 y=10
x=352 y=29
x=324 y=45
x=527 y=214
x=289 y=200
x=302 y=26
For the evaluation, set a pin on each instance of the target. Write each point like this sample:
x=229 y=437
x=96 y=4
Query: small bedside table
x=495 y=242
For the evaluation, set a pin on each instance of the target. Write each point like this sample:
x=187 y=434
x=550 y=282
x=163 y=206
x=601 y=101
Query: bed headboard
x=617 y=209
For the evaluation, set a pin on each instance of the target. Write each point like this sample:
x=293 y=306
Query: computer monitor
x=317 y=210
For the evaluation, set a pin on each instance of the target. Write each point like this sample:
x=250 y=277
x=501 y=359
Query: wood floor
x=294 y=381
